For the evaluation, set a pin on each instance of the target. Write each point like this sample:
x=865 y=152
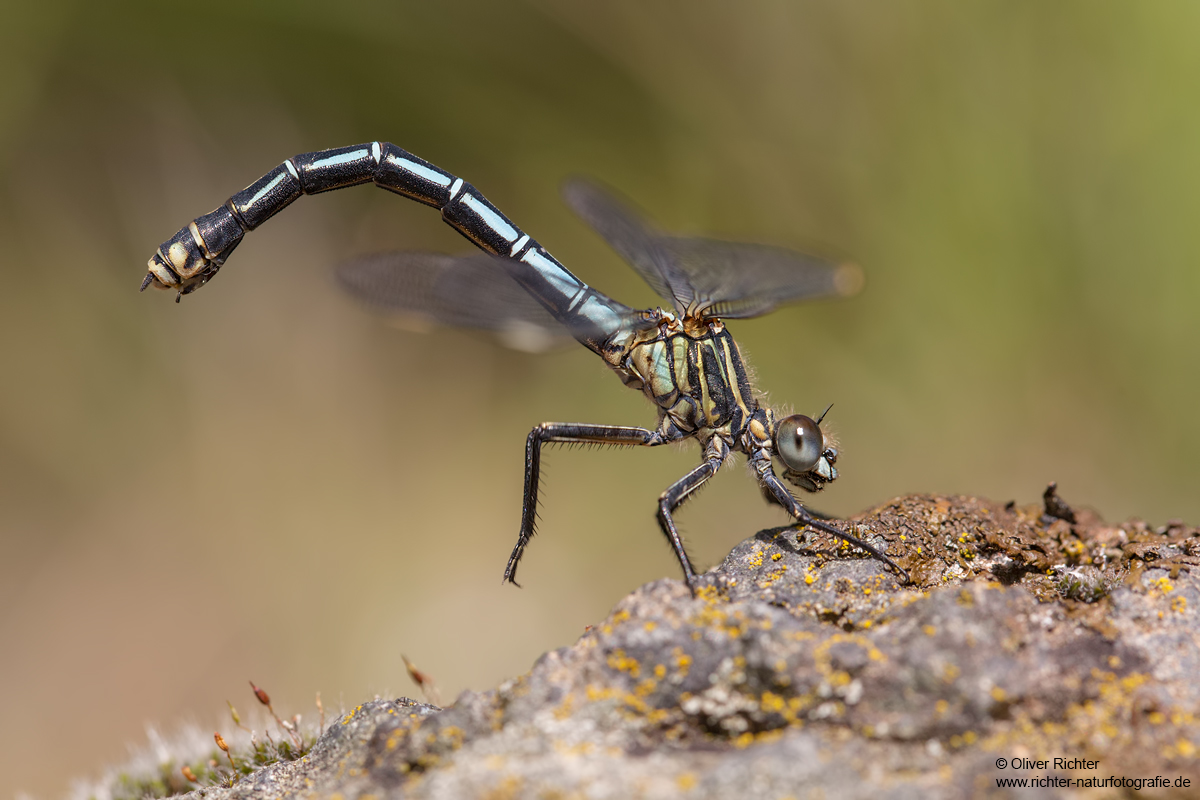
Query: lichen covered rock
x=804 y=668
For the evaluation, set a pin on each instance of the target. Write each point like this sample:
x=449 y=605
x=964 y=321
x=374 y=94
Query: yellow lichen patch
x=941 y=707
x=1179 y=604
x=950 y=673
x=660 y=671
x=350 y=716
x=776 y=556
x=808 y=579
x=507 y=789
x=732 y=624
x=743 y=741
x=1162 y=585
x=658 y=716
x=649 y=625
x=565 y=708
x=998 y=694
x=619 y=661
x=775 y=575
x=683 y=661
x=769 y=736
x=636 y=703
x=839 y=678
x=1099 y=724
x=772 y=703
x=453 y=735
x=597 y=693
x=686 y=781
x=613 y=621
x=966 y=599
x=755 y=559
x=645 y=687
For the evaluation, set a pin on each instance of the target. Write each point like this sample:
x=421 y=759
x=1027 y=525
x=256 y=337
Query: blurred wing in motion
x=420 y=290
x=745 y=280
x=707 y=277
x=626 y=231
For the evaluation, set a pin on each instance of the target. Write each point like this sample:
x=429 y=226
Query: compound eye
x=799 y=442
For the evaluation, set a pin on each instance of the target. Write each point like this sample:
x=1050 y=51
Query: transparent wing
x=626 y=231
x=707 y=277
x=745 y=280
x=420 y=290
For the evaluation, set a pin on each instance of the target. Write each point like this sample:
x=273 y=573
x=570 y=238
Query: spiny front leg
x=715 y=454
x=760 y=462
x=563 y=432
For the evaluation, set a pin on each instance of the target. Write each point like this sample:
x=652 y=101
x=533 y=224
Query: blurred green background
x=266 y=482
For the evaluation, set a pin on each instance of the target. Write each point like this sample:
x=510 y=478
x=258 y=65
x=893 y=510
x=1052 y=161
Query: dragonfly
x=681 y=357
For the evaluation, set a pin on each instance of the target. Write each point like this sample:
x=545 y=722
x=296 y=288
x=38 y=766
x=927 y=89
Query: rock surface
x=805 y=669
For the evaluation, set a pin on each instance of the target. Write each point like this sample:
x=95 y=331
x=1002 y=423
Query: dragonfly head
x=807 y=452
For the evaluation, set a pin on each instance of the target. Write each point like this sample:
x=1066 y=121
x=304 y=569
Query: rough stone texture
x=804 y=669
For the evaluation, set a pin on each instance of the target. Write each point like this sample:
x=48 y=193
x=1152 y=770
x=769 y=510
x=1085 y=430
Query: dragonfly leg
x=564 y=432
x=761 y=464
x=715 y=454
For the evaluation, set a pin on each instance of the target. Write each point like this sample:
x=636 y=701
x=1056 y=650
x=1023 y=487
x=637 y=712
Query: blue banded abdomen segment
x=405 y=174
x=267 y=196
x=593 y=318
x=470 y=213
x=195 y=252
x=208 y=240
x=326 y=170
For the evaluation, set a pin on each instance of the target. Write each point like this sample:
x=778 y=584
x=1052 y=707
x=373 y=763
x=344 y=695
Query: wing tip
x=848 y=279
